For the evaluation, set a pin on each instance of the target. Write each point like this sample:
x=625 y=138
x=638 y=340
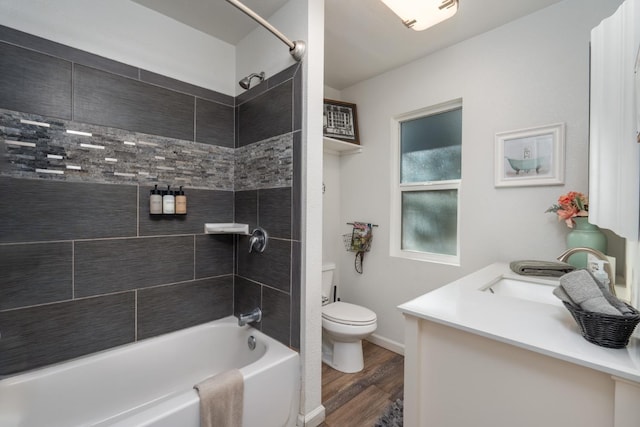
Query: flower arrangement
x=569 y=206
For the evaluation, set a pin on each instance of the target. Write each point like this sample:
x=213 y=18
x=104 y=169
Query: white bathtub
x=150 y=383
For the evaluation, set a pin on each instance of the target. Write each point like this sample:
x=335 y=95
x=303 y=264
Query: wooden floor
x=358 y=400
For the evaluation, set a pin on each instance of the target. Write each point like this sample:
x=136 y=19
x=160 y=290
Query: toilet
x=344 y=326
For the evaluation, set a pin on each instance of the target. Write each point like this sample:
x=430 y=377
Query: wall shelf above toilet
x=335 y=146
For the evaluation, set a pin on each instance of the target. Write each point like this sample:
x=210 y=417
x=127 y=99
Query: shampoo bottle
x=155 y=201
x=181 y=202
x=168 y=202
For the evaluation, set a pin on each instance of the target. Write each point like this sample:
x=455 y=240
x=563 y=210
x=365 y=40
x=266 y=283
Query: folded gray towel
x=562 y=295
x=613 y=300
x=583 y=289
x=541 y=268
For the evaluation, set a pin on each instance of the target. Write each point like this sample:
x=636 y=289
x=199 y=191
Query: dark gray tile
x=296 y=208
x=34 y=82
x=256 y=89
x=34 y=274
x=214 y=255
x=283 y=76
x=297 y=101
x=47 y=210
x=296 y=292
x=70 y=54
x=247 y=295
x=269 y=83
x=104 y=266
x=203 y=206
x=267 y=115
x=38 y=336
x=214 y=123
x=246 y=208
x=107 y=99
x=274 y=211
x=188 y=88
x=271 y=267
x=276 y=317
x=237 y=126
x=169 y=308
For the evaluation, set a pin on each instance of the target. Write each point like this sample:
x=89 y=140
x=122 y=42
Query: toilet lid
x=348 y=314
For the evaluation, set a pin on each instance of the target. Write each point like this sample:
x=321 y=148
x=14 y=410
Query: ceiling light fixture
x=422 y=14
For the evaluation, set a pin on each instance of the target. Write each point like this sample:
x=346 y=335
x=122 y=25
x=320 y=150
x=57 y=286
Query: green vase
x=585 y=235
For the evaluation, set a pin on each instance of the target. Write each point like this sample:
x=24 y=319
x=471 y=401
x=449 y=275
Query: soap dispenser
x=168 y=202
x=155 y=201
x=181 y=202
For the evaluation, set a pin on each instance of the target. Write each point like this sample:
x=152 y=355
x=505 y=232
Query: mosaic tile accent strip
x=101 y=154
x=265 y=164
x=46 y=148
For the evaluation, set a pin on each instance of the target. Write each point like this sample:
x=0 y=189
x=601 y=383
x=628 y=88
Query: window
x=427 y=164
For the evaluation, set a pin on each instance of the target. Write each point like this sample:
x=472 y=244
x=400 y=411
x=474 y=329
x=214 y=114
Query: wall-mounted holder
x=167 y=203
x=359 y=241
x=258 y=240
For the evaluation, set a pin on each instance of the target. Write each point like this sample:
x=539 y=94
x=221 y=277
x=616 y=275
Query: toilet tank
x=327 y=279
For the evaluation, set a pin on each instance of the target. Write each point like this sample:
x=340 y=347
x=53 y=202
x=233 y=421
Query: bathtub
x=150 y=383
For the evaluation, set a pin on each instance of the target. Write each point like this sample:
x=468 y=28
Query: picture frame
x=530 y=157
x=340 y=121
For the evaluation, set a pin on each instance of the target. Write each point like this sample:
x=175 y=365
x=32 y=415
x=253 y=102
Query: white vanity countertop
x=543 y=328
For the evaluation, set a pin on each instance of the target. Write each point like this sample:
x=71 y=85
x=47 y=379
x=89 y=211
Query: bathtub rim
x=275 y=354
x=276 y=347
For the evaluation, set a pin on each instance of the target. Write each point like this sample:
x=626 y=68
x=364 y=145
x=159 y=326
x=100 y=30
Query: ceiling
x=363 y=38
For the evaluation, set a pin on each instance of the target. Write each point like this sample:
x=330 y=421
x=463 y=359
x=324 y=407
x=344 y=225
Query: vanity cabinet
x=455 y=378
x=480 y=358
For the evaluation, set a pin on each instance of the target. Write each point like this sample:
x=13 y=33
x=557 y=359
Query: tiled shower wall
x=83 y=266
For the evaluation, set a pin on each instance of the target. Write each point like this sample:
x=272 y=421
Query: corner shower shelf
x=336 y=146
x=226 y=228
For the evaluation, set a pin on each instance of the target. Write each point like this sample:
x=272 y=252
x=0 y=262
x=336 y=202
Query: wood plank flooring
x=358 y=400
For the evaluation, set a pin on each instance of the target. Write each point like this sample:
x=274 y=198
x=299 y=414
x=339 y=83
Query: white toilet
x=344 y=326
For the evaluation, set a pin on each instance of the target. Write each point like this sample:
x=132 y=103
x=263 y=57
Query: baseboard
x=383 y=342
x=313 y=418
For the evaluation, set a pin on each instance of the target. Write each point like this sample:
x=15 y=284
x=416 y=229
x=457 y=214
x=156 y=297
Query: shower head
x=246 y=82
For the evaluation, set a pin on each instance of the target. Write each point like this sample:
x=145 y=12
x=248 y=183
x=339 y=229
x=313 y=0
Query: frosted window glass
x=430 y=221
x=431 y=147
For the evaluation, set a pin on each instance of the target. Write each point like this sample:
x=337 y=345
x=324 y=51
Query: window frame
x=397 y=188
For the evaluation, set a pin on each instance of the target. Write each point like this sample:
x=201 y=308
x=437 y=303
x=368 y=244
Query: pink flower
x=569 y=206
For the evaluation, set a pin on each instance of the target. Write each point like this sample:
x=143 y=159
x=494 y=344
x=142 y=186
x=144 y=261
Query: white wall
x=332 y=229
x=332 y=93
x=531 y=72
x=332 y=189
x=261 y=51
x=129 y=33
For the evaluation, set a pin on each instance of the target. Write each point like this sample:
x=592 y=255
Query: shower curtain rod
x=296 y=48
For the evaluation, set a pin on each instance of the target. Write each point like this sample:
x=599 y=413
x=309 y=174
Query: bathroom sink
x=531 y=290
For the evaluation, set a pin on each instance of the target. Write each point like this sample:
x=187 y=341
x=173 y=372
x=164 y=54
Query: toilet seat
x=348 y=314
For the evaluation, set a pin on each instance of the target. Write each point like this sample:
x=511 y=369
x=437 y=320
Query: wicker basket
x=604 y=329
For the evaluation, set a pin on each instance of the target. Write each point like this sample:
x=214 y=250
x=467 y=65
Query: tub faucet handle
x=258 y=240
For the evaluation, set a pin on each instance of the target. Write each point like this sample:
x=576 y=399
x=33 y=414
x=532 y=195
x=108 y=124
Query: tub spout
x=253 y=316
